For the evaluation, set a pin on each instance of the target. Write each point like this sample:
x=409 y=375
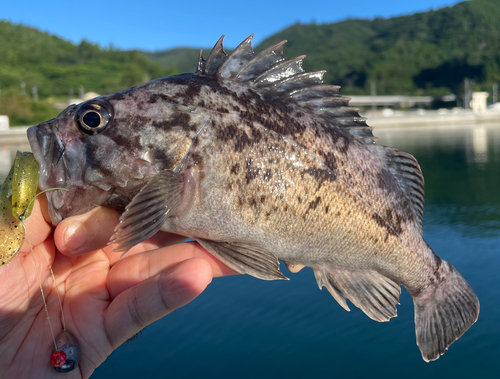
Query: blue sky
x=157 y=25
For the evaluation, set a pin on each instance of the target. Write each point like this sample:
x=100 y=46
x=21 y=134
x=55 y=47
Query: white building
x=478 y=102
x=4 y=122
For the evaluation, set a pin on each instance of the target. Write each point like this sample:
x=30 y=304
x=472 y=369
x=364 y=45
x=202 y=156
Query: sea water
x=242 y=327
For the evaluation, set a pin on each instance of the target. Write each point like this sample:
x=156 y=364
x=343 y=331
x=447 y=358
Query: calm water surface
x=242 y=327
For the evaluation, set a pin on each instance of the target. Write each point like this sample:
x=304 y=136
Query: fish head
x=91 y=155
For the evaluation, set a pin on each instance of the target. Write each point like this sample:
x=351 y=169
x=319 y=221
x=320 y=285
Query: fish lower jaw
x=57 y=201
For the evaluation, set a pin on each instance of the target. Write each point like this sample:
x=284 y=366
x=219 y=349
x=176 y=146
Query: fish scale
x=290 y=213
x=259 y=161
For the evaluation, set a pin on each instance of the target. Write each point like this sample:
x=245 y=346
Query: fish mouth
x=40 y=139
x=61 y=175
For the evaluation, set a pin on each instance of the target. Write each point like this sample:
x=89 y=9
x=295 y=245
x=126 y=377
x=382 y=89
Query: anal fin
x=370 y=291
x=245 y=258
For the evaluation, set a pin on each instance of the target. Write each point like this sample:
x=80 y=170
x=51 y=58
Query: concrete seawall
x=429 y=118
x=16 y=136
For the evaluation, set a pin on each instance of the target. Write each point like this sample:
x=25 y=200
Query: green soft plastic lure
x=16 y=203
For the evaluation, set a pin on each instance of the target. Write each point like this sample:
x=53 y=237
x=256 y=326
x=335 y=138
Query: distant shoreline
x=431 y=118
x=16 y=136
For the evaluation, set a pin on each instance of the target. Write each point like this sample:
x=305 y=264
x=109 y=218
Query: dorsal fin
x=280 y=71
x=315 y=92
x=270 y=70
x=262 y=61
x=238 y=58
x=297 y=81
x=406 y=170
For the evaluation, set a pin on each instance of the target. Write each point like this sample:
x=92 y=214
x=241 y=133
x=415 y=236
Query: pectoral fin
x=372 y=292
x=245 y=259
x=148 y=210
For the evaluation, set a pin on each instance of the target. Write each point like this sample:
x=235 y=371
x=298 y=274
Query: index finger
x=92 y=231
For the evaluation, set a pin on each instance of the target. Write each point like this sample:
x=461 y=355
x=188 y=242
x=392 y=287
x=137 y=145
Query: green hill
x=32 y=60
x=58 y=67
x=182 y=58
x=424 y=53
x=427 y=53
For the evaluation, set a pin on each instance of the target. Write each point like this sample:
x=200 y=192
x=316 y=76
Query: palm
x=106 y=300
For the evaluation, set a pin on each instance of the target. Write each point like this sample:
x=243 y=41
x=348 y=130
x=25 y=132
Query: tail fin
x=444 y=312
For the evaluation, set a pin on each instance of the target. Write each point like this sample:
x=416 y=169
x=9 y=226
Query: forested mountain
x=424 y=53
x=427 y=53
x=57 y=66
x=31 y=61
x=184 y=59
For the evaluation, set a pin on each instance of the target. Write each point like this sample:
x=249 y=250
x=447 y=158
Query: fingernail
x=74 y=237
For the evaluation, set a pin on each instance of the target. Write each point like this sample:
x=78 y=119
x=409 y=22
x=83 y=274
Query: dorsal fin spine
x=273 y=53
x=216 y=57
x=312 y=74
x=315 y=91
x=200 y=67
x=241 y=55
x=294 y=65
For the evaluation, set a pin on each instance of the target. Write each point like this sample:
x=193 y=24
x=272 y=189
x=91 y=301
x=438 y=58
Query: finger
x=44 y=205
x=37 y=227
x=88 y=232
x=160 y=239
x=137 y=268
x=91 y=231
x=154 y=298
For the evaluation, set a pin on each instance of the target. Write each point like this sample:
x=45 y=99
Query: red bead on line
x=58 y=358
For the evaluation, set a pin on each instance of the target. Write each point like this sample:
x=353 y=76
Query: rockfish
x=259 y=161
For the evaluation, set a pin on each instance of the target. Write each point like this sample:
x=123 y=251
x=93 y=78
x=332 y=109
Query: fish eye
x=94 y=116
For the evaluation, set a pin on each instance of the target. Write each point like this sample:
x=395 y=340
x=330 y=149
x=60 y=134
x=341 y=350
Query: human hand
x=106 y=300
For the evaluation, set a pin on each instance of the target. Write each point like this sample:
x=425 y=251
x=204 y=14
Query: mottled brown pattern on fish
x=338 y=164
x=290 y=211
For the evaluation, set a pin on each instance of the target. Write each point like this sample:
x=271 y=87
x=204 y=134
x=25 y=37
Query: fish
x=260 y=161
x=16 y=203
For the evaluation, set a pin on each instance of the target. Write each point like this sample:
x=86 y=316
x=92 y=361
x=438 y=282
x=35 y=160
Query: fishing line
x=18 y=195
x=40 y=284
x=58 y=359
x=63 y=321
x=22 y=219
x=66 y=356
